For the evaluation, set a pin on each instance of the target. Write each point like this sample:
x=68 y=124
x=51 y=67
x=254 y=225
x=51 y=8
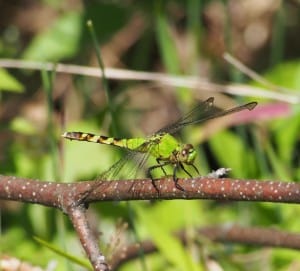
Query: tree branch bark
x=73 y=198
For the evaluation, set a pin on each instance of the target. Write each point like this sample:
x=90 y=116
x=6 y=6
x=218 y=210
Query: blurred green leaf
x=280 y=170
x=62 y=40
x=65 y=37
x=166 y=42
x=25 y=165
x=284 y=259
x=82 y=262
x=26 y=248
x=286 y=74
x=107 y=18
x=287 y=135
x=36 y=211
x=9 y=83
x=22 y=126
x=170 y=215
x=231 y=152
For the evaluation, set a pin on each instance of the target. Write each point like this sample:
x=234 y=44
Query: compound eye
x=184 y=152
x=187 y=151
x=189 y=148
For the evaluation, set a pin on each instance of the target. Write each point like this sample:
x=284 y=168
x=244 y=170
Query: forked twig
x=254 y=236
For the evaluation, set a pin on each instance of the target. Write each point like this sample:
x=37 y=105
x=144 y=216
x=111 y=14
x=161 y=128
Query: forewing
x=203 y=112
x=203 y=107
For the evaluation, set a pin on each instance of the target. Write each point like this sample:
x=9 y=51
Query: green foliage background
x=31 y=146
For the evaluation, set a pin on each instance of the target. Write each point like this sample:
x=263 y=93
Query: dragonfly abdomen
x=131 y=144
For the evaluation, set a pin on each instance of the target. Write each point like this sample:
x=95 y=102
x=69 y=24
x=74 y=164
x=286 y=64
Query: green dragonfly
x=162 y=145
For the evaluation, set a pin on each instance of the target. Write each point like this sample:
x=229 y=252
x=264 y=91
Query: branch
x=63 y=195
x=69 y=198
x=72 y=198
x=198 y=188
x=224 y=234
x=80 y=223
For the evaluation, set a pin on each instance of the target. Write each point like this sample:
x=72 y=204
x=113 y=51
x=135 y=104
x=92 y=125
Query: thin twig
x=77 y=215
x=250 y=73
x=253 y=236
x=191 y=82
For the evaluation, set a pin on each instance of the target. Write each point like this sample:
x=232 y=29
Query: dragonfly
x=162 y=145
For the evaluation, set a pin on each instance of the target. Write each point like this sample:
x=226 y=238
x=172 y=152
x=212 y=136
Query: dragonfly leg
x=195 y=168
x=183 y=168
x=162 y=166
x=175 y=179
x=149 y=174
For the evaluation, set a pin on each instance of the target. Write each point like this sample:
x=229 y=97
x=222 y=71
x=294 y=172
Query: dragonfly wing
x=129 y=165
x=175 y=126
x=114 y=171
x=203 y=112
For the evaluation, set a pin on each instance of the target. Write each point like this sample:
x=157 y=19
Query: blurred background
x=180 y=44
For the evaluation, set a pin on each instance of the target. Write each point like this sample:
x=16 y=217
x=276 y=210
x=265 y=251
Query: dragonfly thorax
x=185 y=154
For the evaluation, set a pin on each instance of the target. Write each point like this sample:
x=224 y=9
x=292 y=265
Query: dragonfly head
x=187 y=154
